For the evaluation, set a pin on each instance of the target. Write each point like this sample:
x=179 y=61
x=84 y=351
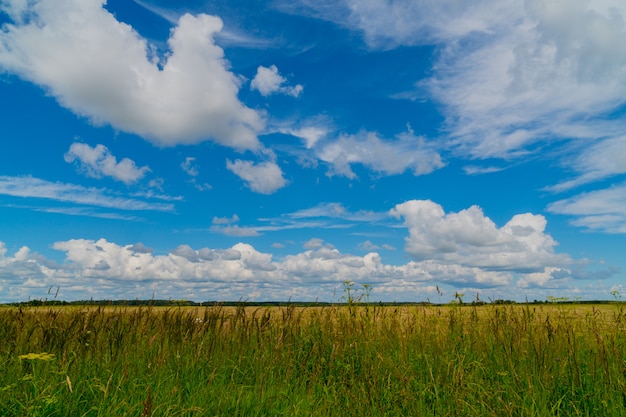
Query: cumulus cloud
x=548 y=278
x=98 y=161
x=314 y=243
x=268 y=81
x=102 y=69
x=407 y=152
x=184 y=263
x=102 y=269
x=368 y=246
x=263 y=178
x=471 y=239
x=140 y=248
x=206 y=254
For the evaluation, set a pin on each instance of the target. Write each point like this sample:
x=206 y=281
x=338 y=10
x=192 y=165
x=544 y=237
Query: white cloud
x=102 y=69
x=550 y=70
x=408 y=22
x=103 y=270
x=310 y=134
x=98 y=162
x=156 y=183
x=268 y=81
x=337 y=211
x=223 y=38
x=407 y=152
x=322 y=216
x=29 y=187
x=264 y=178
x=202 y=187
x=236 y=231
x=478 y=170
x=601 y=160
x=167 y=14
x=84 y=211
x=509 y=75
x=601 y=210
x=314 y=243
x=310 y=130
x=547 y=278
x=190 y=166
x=368 y=246
x=235 y=264
x=225 y=220
x=471 y=239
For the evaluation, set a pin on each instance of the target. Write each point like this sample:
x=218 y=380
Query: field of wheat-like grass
x=342 y=360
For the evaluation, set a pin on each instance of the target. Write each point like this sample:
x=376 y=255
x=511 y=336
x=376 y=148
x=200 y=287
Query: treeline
x=189 y=303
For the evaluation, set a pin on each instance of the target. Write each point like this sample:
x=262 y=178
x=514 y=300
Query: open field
x=515 y=360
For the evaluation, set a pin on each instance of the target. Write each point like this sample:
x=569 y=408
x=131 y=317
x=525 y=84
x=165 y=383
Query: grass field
x=343 y=360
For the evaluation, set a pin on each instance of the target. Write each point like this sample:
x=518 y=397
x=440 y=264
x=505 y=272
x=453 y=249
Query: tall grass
x=330 y=361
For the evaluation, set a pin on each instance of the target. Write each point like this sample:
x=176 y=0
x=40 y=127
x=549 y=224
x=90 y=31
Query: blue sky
x=216 y=150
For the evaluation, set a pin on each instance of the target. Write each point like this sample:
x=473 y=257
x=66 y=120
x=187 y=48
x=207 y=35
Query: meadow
x=349 y=359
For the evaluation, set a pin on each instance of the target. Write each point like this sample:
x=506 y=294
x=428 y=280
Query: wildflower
x=43 y=356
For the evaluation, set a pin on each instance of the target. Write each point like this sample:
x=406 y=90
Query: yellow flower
x=43 y=356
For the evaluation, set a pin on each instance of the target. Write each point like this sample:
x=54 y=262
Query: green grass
x=329 y=361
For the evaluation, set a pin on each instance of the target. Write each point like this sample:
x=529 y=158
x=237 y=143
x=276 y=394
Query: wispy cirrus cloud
x=30 y=187
x=333 y=210
x=190 y=166
x=227 y=37
x=236 y=230
x=86 y=212
x=480 y=170
x=509 y=76
x=322 y=216
x=600 y=210
x=603 y=159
